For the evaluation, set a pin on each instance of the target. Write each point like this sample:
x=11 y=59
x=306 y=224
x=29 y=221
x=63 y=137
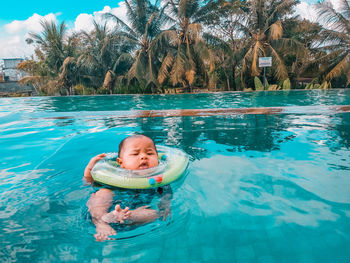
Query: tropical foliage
x=335 y=42
x=145 y=19
x=54 y=53
x=104 y=59
x=184 y=54
x=187 y=45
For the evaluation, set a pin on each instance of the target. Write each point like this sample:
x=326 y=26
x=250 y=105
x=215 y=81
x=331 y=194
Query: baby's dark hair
x=121 y=144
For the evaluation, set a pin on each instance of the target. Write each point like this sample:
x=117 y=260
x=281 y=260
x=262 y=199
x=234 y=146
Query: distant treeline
x=192 y=45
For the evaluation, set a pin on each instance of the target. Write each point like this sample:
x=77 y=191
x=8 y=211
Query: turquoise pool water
x=259 y=188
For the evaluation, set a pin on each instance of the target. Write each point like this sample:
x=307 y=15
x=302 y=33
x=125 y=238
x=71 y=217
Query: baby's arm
x=165 y=202
x=91 y=164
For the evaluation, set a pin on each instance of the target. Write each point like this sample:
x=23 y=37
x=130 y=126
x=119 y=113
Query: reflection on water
x=180 y=101
x=260 y=188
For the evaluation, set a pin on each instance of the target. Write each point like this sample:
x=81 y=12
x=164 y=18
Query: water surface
x=259 y=188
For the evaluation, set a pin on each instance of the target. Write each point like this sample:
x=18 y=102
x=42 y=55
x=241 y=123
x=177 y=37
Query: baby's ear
x=119 y=161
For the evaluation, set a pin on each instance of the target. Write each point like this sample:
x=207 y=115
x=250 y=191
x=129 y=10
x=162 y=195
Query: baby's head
x=137 y=152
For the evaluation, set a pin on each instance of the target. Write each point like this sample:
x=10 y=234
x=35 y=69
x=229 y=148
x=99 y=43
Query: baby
x=135 y=152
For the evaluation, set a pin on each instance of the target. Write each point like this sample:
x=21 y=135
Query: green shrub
x=286 y=84
x=258 y=84
x=82 y=90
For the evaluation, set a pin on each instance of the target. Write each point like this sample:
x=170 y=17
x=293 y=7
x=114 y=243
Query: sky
x=18 y=18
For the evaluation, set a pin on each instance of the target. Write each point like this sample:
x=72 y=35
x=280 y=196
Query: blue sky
x=19 y=17
x=69 y=9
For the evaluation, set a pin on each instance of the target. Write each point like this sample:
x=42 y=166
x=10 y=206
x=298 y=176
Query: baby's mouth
x=143 y=166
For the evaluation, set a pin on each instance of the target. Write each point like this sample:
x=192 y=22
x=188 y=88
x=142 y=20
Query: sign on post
x=265 y=62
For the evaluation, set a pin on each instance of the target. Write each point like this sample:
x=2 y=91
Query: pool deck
x=317 y=109
x=241 y=111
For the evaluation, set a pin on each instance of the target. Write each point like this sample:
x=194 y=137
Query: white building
x=9 y=69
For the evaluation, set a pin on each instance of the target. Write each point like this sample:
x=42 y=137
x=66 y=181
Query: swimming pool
x=259 y=188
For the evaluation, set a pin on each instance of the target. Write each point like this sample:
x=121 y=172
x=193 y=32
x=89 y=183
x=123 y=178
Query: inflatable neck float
x=172 y=166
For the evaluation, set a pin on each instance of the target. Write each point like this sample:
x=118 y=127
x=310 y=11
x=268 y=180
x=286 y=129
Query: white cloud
x=14 y=34
x=85 y=21
x=15 y=47
x=32 y=24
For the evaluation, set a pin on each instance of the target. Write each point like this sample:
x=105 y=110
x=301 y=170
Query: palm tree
x=227 y=56
x=335 y=40
x=145 y=18
x=183 y=52
x=308 y=34
x=263 y=29
x=51 y=43
x=225 y=40
x=104 y=57
x=53 y=48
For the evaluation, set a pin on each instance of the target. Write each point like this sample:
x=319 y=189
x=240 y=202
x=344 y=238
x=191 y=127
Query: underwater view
x=258 y=188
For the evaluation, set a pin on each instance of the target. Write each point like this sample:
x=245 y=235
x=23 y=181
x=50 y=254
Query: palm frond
x=276 y=30
x=190 y=76
x=342 y=67
x=131 y=14
x=258 y=51
x=121 y=23
x=279 y=9
x=108 y=80
x=151 y=70
x=345 y=6
x=173 y=7
x=289 y=46
x=216 y=42
x=205 y=12
x=132 y=71
x=142 y=70
x=201 y=49
x=187 y=8
x=124 y=58
x=165 y=40
x=178 y=70
x=281 y=72
x=348 y=78
x=163 y=72
x=163 y=17
x=33 y=80
x=321 y=60
x=194 y=31
x=332 y=18
x=245 y=64
x=148 y=24
x=331 y=36
x=130 y=38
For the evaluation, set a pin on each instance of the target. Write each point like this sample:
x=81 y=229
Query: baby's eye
x=150 y=153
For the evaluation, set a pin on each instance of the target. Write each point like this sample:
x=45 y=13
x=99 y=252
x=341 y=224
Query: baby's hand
x=91 y=164
x=117 y=216
x=165 y=213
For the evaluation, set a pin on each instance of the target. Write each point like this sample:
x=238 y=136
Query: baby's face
x=138 y=153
